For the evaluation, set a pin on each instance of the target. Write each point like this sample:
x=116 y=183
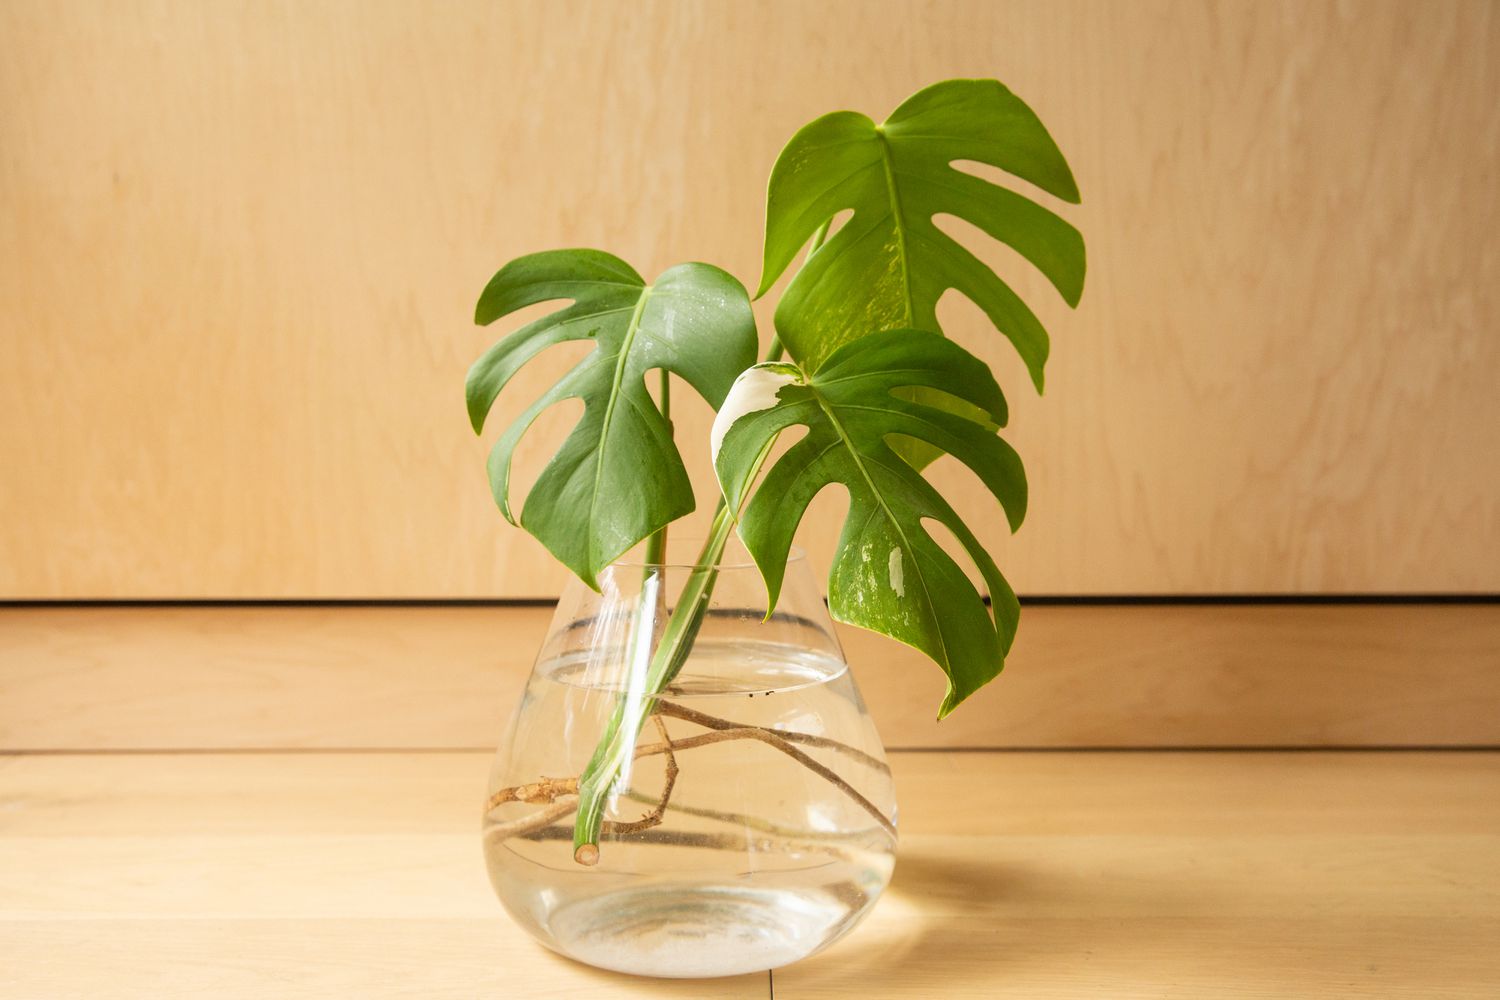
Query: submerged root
x=707 y=721
x=536 y=793
x=561 y=794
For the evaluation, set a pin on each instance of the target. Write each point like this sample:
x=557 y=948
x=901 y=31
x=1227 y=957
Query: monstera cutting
x=888 y=266
x=889 y=573
x=859 y=366
x=591 y=503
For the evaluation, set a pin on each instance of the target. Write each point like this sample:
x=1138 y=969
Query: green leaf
x=889 y=574
x=889 y=264
x=618 y=477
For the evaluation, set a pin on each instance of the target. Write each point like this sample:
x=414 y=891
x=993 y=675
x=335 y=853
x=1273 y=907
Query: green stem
x=635 y=705
x=656 y=545
x=617 y=743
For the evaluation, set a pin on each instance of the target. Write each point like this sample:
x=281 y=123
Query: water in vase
x=777 y=832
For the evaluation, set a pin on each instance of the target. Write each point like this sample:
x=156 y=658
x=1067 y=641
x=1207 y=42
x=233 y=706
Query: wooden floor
x=1021 y=874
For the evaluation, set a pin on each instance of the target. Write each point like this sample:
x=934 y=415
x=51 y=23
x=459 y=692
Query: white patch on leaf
x=754 y=390
x=898 y=579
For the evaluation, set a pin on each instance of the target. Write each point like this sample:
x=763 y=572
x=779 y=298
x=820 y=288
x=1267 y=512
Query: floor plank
x=253 y=875
x=1128 y=874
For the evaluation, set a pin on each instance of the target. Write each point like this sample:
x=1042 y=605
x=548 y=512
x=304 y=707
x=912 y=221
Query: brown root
x=561 y=794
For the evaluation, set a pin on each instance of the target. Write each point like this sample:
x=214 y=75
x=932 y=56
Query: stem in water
x=617 y=743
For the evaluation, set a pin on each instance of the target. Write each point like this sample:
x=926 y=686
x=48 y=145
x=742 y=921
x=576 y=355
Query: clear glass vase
x=753 y=820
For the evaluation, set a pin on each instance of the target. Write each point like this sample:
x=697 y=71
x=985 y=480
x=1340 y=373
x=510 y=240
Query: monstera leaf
x=618 y=477
x=889 y=574
x=888 y=265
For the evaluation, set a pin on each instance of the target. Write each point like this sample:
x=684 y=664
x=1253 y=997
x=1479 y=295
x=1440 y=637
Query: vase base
x=691 y=932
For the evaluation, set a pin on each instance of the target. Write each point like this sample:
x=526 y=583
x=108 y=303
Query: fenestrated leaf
x=889 y=574
x=618 y=477
x=889 y=264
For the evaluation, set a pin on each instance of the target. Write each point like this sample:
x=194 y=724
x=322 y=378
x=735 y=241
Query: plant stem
x=653 y=609
x=615 y=746
x=656 y=545
x=618 y=741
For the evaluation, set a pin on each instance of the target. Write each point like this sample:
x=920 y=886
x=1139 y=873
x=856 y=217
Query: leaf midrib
x=889 y=515
x=898 y=220
x=609 y=411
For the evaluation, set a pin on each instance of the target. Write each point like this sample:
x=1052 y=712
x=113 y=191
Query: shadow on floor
x=974 y=921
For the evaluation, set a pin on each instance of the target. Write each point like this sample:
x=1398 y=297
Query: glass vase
x=752 y=822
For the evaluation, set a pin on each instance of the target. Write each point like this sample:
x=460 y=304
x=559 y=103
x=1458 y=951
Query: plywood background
x=240 y=242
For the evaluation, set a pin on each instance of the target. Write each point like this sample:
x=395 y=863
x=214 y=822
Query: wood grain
x=1029 y=875
x=1183 y=875
x=288 y=876
x=239 y=243
x=394 y=677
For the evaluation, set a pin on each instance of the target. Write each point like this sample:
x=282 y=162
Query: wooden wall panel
x=240 y=242
x=137 y=678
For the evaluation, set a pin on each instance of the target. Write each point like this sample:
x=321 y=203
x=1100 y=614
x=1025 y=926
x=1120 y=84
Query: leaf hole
x=942 y=399
x=1020 y=274
x=950 y=544
x=784 y=443
x=839 y=221
x=1019 y=185
x=967 y=325
x=822 y=526
x=537 y=446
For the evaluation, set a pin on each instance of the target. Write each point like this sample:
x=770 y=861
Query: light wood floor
x=1021 y=874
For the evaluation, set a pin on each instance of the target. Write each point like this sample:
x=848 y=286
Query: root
x=654 y=817
x=716 y=841
x=771 y=739
x=561 y=794
x=536 y=793
x=707 y=721
x=533 y=822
